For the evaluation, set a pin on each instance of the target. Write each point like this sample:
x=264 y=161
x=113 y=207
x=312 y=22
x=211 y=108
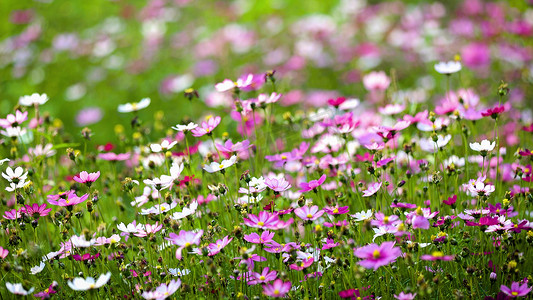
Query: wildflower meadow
x=179 y=149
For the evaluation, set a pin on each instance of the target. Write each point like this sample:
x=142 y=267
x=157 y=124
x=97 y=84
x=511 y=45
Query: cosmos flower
x=185 y=128
x=516 y=290
x=404 y=296
x=84 y=284
x=164 y=146
x=184 y=239
x=375 y=256
x=266 y=237
x=437 y=255
x=483 y=147
x=134 y=106
x=312 y=185
x=71 y=200
x=3 y=253
x=163 y=291
x=448 y=68
x=215 y=248
x=87 y=178
x=308 y=213
x=265 y=276
x=372 y=189
x=277 y=185
x=14 y=120
x=149 y=229
x=206 y=127
x=363 y=215
x=16 y=175
x=18 y=289
x=33 y=99
x=277 y=289
x=376 y=81
x=215 y=167
x=35 y=210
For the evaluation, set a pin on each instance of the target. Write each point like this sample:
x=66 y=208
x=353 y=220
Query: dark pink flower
x=312 y=185
x=516 y=290
x=265 y=276
x=70 y=201
x=266 y=237
x=35 y=210
x=437 y=255
x=337 y=210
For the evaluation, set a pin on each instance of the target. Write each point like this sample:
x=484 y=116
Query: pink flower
x=516 y=290
x=266 y=237
x=215 y=248
x=163 y=291
x=12 y=214
x=376 y=256
x=307 y=213
x=277 y=185
x=229 y=147
x=35 y=210
x=493 y=112
x=71 y=200
x=87 y=178
x=206 y=127
x=437 y=255
x=305 y=263
x=184 y=239
x=14 y=120
x=312 y=185
x=372 y=189
x=113 y=156
x=404 y=296
x=266 y=220
x=265 y=276
x=376 y=81
x=3 y=252
x=149 y=229
x=277 y=289
x=451 y=200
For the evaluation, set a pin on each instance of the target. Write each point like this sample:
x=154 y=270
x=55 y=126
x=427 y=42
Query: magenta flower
x=277 y=289
x=451 y=200
x=87 y=178
x=337 y=210
x=265 y=276
x=372 y=189
x=35 y=210
x=3 y=252
x=437 y=255
x=215 y=248
x=419 y=221
x=266 y=237
x=493 y=112
x=86 y=256
x=12 y=214
x=184 y=239
x=376 y=256
x=308 y=213
x=206 y=127
x=516 y=290
x=277 y=185
x=305 y=263
x=312 y=185
x=70 y=201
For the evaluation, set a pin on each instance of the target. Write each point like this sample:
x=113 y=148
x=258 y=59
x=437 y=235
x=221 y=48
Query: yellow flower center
x=283 y=157
x=134 y=106
x=386 y=220
x=92 y=286
x=208 y=117
x=221 y=166
x=187 y=244
x=276 y=292
x=514 y=293
x=376 y=254
x=262 y=277
x=260 y=223
x=437 y=254
x=336 y=211
x=309 y=216
x=419 y=211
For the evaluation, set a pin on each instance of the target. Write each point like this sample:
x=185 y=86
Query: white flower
x=14 y=131
x=187 y=127
x=455 y=160
x=448 y=68
x=187 y=211
x=175 y=172
x=164 y=146
x=361 y=216
x=158 y=209
x=14 y=186
x=131 y=227
x=135 y=106
x=17 y=289
x=83 y=284
x=215 y=167
x=157 y=183
x=429 y=145
x=33 y=99
x=179 y=272
x=81 y=242
x=37 y=269
x=16 y=175
x=2 y=161
x=485 y=146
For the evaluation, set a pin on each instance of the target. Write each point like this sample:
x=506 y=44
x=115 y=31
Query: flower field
x=266 y=149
